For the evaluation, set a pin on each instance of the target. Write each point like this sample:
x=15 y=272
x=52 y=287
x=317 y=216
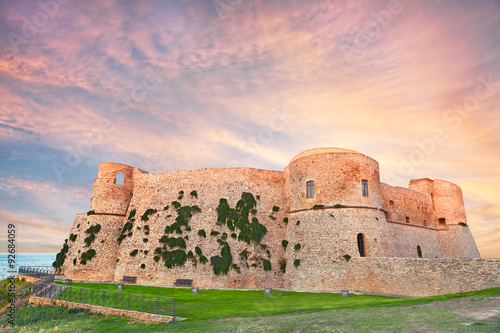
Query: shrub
x=463 y=224
x=166 y=207
x=296 y=263
x=347 y=257
x=181 y=195
x=176 y=204
x=197 y=250
x=214 y=233
x=146 y=214
x=146 y=252
x=285 y=220
x=298 y=222
x=339 y=206
x=284 y=243
x=145 y=240
x=190 y=255
x=297 y=247
x=90 y=212
x=72 y=237
x=173 y=242
x=134 y=252
x=282 y=263
x=203 y=260
x=318 y=207
x=233 y=235
x=222 y=263
x=272 y=217
x=74 y=261
x=276 y=208
x=156 y=258
x=174 y=258
x=244 y=254
x=419 y=251
x=202 y=233
x=131 y=215
x=267 y=265
x=194 y=194
x=143 y=266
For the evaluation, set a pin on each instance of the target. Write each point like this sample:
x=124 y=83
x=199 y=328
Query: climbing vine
x=92 y=231
x=61 y=256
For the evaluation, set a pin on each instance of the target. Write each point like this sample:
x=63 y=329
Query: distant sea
x=25 y=259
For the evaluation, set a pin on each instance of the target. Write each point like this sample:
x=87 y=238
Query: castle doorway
x=361 y=244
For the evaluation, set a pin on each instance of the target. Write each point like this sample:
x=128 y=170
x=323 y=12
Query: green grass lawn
x=235 y=310
x=213 y=303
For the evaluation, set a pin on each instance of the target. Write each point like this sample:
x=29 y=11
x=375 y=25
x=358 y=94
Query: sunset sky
x=169 y=85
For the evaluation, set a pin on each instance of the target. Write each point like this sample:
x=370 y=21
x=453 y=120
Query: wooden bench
x=183 y=282
x=129 y=279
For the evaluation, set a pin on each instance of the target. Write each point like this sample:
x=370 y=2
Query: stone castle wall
x=325 y=235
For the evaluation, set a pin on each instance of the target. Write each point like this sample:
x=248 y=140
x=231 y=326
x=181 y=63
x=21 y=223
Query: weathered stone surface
x=393 y=221
x=139 y=316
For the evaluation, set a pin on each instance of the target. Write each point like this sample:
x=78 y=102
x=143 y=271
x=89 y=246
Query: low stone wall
x=398 y=276
x=140 y=316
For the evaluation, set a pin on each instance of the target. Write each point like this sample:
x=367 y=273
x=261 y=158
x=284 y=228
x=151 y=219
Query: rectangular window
x=310 y=189
x=364 y=185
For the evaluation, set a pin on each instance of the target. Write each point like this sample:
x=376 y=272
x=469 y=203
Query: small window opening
x=407 y=219
x=364 y=185
x=442 y=221
x=310 y=189
x=361 y=245
x=120 y=178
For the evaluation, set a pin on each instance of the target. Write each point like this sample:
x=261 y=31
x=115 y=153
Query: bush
x=72 y=237
x=134 y=252
x=244 y=255
x=90 y=212
x=339 y=206
x=131 y=215
x=181 y=195
x=463 y=224
x=143 y=266
x=194 y=194
x=298 y=222
x=214 y=233
x=347 y=257
x=297 y=247
x=419 y=251
x=296 y=263
x=284 y=243
x=146 y=214
x=33 y=314
x=202 y=233
x=318 y=207
x=145 y=240
x=276 y=208
x=285 y=220
x=267 y=265
x=282 y=263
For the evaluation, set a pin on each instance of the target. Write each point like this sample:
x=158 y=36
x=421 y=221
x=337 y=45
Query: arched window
x=364 y=185
x=310 y=189
x=120 y=178
x=361 y=245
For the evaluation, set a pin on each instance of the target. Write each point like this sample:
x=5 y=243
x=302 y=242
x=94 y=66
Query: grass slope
x=231 y=310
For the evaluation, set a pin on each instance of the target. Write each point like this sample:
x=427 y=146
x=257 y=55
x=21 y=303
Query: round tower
x=336 y=195
x=94 y=247
x=108 y=196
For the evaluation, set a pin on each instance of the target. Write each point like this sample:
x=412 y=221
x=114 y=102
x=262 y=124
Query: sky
x=173 y=85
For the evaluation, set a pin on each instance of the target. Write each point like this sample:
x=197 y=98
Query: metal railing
x=46 y=288
x=35 y=271
x=118 y=300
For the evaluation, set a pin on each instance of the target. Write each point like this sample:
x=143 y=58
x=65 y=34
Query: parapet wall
x=401 y=276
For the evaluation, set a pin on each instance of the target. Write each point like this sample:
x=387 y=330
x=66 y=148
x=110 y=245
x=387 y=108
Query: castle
x=324 y=223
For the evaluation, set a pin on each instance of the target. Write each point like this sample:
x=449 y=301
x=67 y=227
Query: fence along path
x=46 y=288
